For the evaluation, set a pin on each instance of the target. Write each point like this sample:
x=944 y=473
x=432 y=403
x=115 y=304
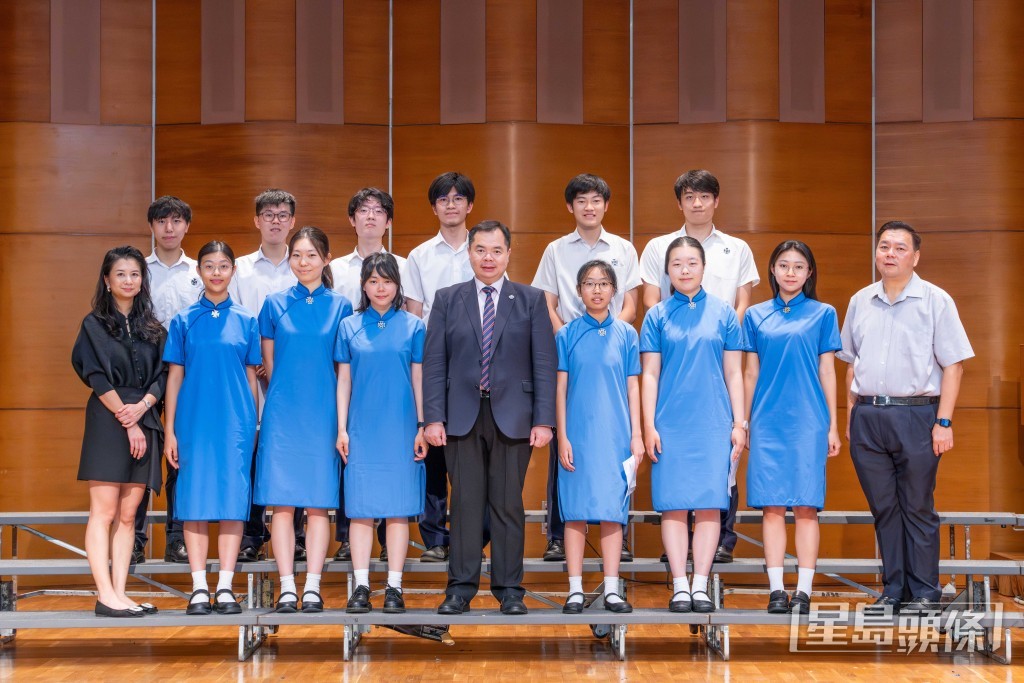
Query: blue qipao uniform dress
x=789 y=415
x=693 y=414
x=215 y=419
x=599 y=358
x=382 y=479
x=297 y=461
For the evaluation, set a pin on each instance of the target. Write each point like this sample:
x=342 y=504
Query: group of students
x=339 y=350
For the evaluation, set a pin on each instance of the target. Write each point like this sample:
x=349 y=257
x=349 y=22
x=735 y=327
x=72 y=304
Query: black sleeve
x=89 y=357
x=159 y=385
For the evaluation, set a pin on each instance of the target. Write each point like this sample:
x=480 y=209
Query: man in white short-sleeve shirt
x=370 y=211
x=587 y=198
x=729 y=274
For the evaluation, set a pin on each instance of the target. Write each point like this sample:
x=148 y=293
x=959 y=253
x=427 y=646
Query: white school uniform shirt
x=431 y=266
x=174 y=287
x=257 y=277
x=730 y=264
x=563 y=259
x=347 y=272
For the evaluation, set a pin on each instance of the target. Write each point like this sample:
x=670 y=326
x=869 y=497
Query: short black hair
x=444 y=183
x=273 y=197
x=491 y=226
x=359 y=198
x=900 y=225
x=169 y=206
x=584 y=183
x=385 y=265
x=697 y=180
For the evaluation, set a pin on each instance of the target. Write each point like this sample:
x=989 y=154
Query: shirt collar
x=699 y=296
x=354 y=256
x=152 y=260
x=260 y=256
x=592 y=321
x=715 y=235
x=206 y=303
x=439 y=241
x=795 y=301
x=575 y=236
x=497 y=286
x=914 y=288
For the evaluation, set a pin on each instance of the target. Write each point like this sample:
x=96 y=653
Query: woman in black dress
x=118 y=355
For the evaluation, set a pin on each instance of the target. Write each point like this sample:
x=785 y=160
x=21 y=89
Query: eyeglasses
x=454 y=200
x=597 y=285
x=796 y=268
x=210 y=268
x=281 y=216
x=371 y=211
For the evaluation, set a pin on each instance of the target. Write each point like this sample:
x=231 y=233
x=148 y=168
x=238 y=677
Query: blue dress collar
x=371 y=316
x=795 y=301
x=206 y=303
x=302 y=290
x=593 y=322
x=682 y=298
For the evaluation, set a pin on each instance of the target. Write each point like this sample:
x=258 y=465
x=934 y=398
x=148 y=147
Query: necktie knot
x=488 y=290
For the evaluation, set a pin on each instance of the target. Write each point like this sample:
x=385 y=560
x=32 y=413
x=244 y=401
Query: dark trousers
x=487 y=471
x=891 y=447
x=727 y=534
x=556 y=527
x=434 y=522
x=173 y=527
x=256 y=533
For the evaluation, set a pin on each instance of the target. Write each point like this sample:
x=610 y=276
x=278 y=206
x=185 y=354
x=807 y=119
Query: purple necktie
x=486 y=350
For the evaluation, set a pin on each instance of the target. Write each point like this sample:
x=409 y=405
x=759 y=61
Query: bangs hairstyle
x=684 y=241
x=900 y=225
x=273 y=197
x=141 y=319
x=584 y=183
x=169 y=207
x=810 y=288
x=444 y=183
x=605 y=268
x=318 y=239
x=360 y=198
x=384 y=265
x=216 y=247
x=697 y=180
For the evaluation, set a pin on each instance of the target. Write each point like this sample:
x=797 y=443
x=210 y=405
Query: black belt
x=484 y=393
x=898 y=400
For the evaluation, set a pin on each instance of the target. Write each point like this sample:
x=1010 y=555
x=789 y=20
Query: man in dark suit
x=489 y=398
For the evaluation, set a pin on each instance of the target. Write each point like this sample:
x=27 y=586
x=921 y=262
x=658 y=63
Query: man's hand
x=435 y=434
x=942 y=439
x=540 y=436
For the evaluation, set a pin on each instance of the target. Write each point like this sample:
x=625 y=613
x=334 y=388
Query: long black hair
x=385 y=265
x=810 y=288
x=141 y=319
x=318 y=239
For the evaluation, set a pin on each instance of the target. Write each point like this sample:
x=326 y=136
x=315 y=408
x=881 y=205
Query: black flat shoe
x=453 y=604
x=199 y=608
x=394 y=603
x=513 y=605
x=800 y=604
x=359 y=602
x=723 y=555
x=226 y=607
x=287 y=606
x=882 y=606
x=316 y=605
x=682 y=605
x=344 y=553
x=574 y=606
x=148 y=608
x=437 y=553
x=249 y=555
x=618 y=607
x=778 y=603
x=920 y=606
x=700 y=605
x=102 y=610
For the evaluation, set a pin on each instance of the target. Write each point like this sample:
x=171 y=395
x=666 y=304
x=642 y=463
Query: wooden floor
x=480 y=654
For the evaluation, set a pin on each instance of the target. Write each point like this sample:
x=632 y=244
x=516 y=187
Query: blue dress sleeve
x=749 y=332
x=342 y=352
x=174 y=348
x=346 y=307
x=650 y=331
x=828 y=334
x=732 y=337
x=253 y=354
x=419 y=335
x=562 y=347
x=632 y=352
x=268 y=319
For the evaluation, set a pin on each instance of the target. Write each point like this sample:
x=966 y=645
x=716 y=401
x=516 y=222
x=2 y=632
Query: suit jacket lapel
x=469 y=298
x=503 y=307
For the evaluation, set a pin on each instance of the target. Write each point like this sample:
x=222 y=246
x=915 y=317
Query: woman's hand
x=343 y=445
x=565 y=454
x=739 y=440
x=130 y=413
x=171 y=449
x=420 y=446
x=136 y=442
x=834 y=444
x=652 y=440
x=636 y=449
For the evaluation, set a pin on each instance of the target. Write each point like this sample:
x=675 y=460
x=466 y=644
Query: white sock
x=288 y=586
x=312 y=584
x=611 y=589
x=361 y=577
x=680 y=585
x=576 y=586
x=775 y=579
x=805 y=577
x=224 y=579
x=700 y=583
x=395 y=579
x=199 y=583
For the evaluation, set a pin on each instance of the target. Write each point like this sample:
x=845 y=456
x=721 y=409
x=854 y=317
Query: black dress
x=132 y=368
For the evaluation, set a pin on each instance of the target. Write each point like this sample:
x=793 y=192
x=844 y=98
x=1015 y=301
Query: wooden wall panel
x=178 y=55
x=417 y=58
x=223 y=61
x=827 y=168
x=948 y=61
x=560 y=61
x=320 y=61
x=511 y=55
x=74 y=179
x=753 y=59
x=898 y=69
x=270 y=60
x=606 y=61
x=998 y=69
x=802 y=61
x=656 y=61
x=366 y=62
x=75 y=29
x=848 y=61
x=25 y=61
x=126 y=62
x=702 y=61
x=219 y=170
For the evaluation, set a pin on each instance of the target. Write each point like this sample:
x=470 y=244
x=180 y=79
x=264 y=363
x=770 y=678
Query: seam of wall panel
x=874 y=139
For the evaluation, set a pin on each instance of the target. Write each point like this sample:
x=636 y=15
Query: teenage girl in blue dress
x=790 y=377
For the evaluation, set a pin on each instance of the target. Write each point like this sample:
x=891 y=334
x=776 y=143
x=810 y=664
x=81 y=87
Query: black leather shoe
x=148 y=608
x=555 y=552
x=138 y=555
x=300 y=552
x=680 y=603
x=176 y=552
x=513 y=605
x=453 y=604
x=883 y=605
x=778 y=603
x=920 y=606
x=800 y=603
x=702 y=605
x=618 y=607
x=359 y=602
x=203 y=607
x=287 y=606
x=663 y=558
x=723 y=555
x=249 y=555
x=627 y=554
x=394 y=603
x=574 y=606
x=314 y=605
x=383 y=553
x=229 y=606
x=437 y=553
x=102 y=610
x=344 y=553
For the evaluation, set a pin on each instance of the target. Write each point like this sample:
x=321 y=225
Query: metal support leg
x=250 y=638
x=8 y=603
x=717 y=637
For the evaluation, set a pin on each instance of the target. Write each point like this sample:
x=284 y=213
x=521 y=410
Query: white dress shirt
x=174 y=287
x=431 y=266
x=257 y=277
x=347 y=272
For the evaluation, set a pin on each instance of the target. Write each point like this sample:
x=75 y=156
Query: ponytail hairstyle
x=318 y=239
x=141 y=319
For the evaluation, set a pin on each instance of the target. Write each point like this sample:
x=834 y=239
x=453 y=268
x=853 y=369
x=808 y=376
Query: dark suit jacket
x=523 y=365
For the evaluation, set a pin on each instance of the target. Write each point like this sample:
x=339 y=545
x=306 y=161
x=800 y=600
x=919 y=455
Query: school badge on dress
x=381 y=324
x=309 y=300
x=215 y=314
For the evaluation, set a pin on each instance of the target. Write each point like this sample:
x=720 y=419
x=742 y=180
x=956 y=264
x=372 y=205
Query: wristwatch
x=944 y=422
x=421 y=425
x=146 y=401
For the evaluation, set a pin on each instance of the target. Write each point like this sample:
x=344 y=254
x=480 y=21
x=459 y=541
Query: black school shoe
x=199 y=608
x=359 y=603
x=394 y=603
x=801 y=603
x=778 y=603
x=225 y=607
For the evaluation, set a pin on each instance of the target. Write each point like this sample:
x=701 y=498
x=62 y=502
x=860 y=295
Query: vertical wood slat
x=656 y=61
x=560 y=61
x=898 y=60
x=848 y=61
x=75 y=40
x=463 y=61
x=366 y=62
x=606 y=61
x=948 y=60
x=270 y=37
x=25 y=61
x=417 y=46
x=126 y=62
x=753 y=60
x=178 y=61
x=998 y=68
x=511 y=60
x=702 y=61
x=223 y=61
x=319 y=61
x=802 y=61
